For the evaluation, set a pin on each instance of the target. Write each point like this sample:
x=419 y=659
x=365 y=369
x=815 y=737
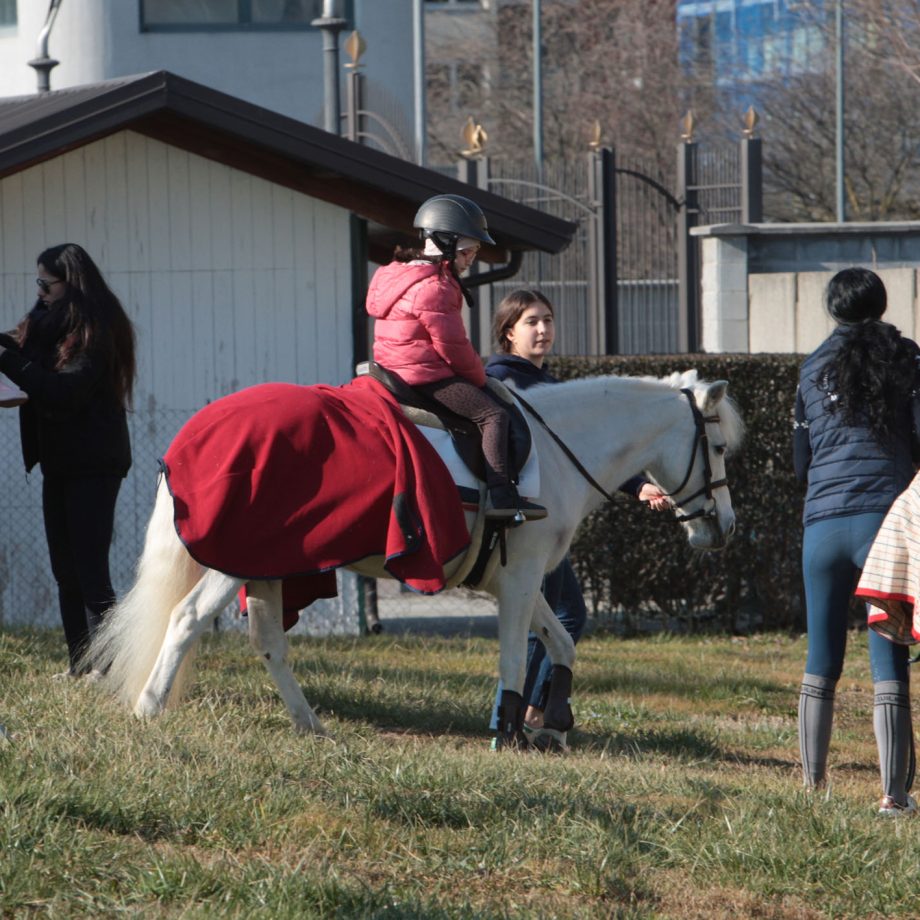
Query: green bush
x=635 y=565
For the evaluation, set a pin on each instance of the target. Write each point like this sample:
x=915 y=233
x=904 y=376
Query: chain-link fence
x=28 y=596
x=27 y=592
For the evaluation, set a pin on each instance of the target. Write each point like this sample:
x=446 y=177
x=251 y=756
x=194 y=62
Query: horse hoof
x=549 y=741
x=146 y=709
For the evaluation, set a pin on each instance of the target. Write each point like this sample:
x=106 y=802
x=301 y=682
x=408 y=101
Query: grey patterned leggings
x=475 y=403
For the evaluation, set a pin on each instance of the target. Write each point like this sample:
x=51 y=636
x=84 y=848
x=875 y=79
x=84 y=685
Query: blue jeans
x=563 y=594
x=834 y=551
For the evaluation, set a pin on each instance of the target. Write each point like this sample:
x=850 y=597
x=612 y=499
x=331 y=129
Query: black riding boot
x=557 y=717
x=506 y=504
x=510 y=732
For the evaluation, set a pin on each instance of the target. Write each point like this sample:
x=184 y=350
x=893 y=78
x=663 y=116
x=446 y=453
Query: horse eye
x=720 y=450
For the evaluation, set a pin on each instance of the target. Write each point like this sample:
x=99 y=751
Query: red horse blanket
x=290 y=482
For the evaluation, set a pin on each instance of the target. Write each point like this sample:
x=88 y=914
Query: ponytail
x=870 y=376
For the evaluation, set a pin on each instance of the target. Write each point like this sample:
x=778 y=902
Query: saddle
x=427 y=412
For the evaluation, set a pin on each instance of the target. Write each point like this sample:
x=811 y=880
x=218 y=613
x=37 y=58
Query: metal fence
x=649 y=297
x=562 y=191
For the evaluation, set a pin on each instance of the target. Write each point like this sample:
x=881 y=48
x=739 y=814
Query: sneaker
x=65 y=675
x=549 y=741
x=10 y=395
x=889 y=808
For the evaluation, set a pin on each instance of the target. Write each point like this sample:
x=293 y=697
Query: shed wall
x=230 y=280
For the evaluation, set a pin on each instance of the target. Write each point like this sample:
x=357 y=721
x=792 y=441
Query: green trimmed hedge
x=636 y=568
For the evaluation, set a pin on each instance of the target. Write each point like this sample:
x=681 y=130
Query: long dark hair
x=875 y=368
x=93 y=320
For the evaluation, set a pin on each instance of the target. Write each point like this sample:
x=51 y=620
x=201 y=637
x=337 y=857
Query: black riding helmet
x=445 y=218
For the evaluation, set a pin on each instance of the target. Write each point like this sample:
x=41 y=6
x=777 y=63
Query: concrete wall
x=763 y=285
x=787 y=309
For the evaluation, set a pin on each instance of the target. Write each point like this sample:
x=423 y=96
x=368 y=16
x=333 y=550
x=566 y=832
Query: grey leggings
x=473 y=402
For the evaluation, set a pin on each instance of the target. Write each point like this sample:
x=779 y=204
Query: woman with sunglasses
x=73 y=355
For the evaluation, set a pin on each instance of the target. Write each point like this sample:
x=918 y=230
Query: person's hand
x=656 y=499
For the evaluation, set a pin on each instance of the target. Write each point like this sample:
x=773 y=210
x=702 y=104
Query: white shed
x=239 y=242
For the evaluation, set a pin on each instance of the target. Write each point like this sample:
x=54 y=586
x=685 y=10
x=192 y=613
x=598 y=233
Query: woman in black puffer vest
x=857 y=414
x=73 y=355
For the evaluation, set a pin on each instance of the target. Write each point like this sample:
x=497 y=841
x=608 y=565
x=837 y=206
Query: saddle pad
x=441 y=441
x=290 y=482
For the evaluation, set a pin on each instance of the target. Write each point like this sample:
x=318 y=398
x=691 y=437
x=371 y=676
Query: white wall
x=99 y=39
x=230 y=281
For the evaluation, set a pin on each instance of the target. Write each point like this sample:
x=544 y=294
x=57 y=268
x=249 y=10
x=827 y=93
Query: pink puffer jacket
x=419 y=332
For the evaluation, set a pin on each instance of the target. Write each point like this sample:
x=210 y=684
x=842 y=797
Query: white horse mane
x=624 y=387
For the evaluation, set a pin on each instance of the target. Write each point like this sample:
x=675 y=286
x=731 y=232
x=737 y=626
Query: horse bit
x=700 y=439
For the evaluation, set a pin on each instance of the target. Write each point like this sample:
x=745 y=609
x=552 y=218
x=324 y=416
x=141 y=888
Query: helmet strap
x=446 y=242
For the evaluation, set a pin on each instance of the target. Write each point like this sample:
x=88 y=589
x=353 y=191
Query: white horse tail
x=128 y=642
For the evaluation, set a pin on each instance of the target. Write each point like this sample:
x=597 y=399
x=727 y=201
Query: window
x=215 y=15
x=7 y=12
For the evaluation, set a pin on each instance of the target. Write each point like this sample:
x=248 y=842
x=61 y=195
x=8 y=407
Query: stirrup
x=522 y=511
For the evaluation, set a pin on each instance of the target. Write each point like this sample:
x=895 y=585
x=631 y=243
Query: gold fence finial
x=750 y=121
x=475 y=138
x=686 y=127
x=354 y=47
x=596 y=135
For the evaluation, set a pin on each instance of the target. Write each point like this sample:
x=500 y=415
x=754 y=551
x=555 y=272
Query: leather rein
x=700 y=439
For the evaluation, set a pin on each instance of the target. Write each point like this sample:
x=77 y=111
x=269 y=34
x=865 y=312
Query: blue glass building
x=740 y=44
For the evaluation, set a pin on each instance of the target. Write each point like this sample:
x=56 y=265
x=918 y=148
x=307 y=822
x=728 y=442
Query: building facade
x=739 y=44
x=262 y=51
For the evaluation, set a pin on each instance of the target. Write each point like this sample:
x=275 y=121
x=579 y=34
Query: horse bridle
x=700 y=439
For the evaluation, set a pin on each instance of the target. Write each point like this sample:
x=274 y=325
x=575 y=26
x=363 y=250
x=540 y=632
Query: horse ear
x=713 y=395
x=688 y=378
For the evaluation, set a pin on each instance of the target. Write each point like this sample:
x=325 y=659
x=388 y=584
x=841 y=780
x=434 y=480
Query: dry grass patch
x=681 y=796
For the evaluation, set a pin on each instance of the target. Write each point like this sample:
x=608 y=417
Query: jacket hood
x=392 y=281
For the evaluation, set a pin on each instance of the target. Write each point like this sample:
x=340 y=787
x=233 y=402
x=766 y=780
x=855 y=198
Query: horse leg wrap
x=511 y=721
x=558 y=714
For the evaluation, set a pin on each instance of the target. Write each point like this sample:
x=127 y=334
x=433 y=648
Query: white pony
x=676 y=429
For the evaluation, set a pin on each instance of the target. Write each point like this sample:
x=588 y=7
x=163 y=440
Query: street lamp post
x=538 y=90
x=418 y=58
x=841 y=41
x=331 y=23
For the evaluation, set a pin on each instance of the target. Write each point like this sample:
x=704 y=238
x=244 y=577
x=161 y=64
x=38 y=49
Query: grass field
x=680 y=798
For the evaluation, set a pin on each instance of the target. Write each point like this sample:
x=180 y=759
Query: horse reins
x=700 y=438
x=563 y=446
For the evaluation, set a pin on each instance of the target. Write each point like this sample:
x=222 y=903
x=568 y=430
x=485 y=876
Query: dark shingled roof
x=161 y=105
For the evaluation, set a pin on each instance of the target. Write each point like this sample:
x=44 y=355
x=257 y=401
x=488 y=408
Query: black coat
x=72 y=424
